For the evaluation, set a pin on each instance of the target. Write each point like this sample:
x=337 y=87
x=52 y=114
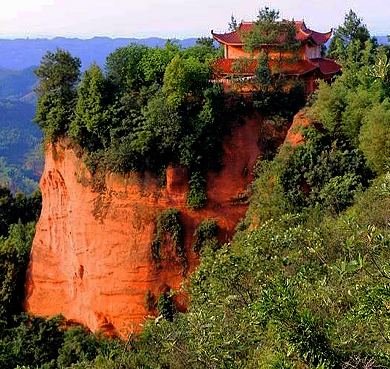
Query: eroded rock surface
x=91 y=256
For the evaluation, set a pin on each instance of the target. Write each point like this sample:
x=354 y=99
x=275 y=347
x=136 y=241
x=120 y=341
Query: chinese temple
x=307 y=64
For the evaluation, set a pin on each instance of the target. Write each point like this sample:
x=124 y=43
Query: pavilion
x=307 y=63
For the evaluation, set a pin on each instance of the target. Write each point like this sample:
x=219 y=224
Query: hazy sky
x=171 y=18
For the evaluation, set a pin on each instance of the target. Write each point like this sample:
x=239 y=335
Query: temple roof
x=327 y=67
x=303 y=34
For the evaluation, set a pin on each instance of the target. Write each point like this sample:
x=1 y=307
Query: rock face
x=294 y=134
x=91 y=256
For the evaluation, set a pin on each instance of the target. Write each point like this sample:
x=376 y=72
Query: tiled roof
x=297 y=68
x=303 y=34
x=326 y=66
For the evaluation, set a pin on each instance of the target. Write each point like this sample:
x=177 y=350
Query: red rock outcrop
x=91 y=258
x=294 y=134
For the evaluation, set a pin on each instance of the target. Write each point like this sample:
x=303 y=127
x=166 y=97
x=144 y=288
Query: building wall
x=235 y=52
x=313 y=52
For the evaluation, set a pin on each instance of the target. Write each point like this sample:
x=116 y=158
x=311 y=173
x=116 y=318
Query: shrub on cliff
x=206 y=235
x=169 y=226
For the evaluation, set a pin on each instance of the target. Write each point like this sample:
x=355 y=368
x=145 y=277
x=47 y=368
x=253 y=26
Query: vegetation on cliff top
x=150 y=108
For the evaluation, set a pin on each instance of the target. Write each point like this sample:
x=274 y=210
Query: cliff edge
x=91 y=257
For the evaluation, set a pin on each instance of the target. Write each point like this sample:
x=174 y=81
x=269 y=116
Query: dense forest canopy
x=305 y=281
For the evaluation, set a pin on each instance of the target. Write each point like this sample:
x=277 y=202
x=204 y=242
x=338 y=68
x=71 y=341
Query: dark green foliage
x=124 y=66
x=323 y=171
x=52 y=114
x=17 y=227
x=169 y=224
x=206 y=235
x=32 y=341
x=14 y=258
x=267 y=30
x=7 y=211
x=18 y=207
x=91 y=123
x=78 y=345
x=36 y=342
x=355 y=107
x=375 y=137
x=165 y=306
x=155 y=62
x=353 y=29
x=21 y=159
x=276 y=101
x=197 y=197
x=205 y=41
x=185 y=79
x=204 y=50
x=58 y=74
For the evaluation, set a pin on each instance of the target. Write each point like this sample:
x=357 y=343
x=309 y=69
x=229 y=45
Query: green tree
x=233 y=24
x=124 y=67
x=58 y=74
x=353 y=29
x=92 y=115
x=155 y=61
x=14 y=258
x=263 y=72
x=7 y=214
x=185 y=78
x=205 y=41
x=268 y=30
x=204 y=51
x=375 y=137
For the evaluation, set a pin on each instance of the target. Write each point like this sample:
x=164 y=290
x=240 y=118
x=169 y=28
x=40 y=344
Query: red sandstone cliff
x=294 y=134
x=91 y=257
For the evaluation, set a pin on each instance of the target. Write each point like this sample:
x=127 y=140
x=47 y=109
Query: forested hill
x=16 y=84
x=23 y=53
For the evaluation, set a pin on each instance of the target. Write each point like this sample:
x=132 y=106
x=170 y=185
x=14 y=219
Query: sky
x=172 y=18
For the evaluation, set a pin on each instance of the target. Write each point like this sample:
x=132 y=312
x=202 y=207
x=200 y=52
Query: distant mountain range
x=21 y=159
x=382 y=39
x=20 y=54
x=17 y=84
